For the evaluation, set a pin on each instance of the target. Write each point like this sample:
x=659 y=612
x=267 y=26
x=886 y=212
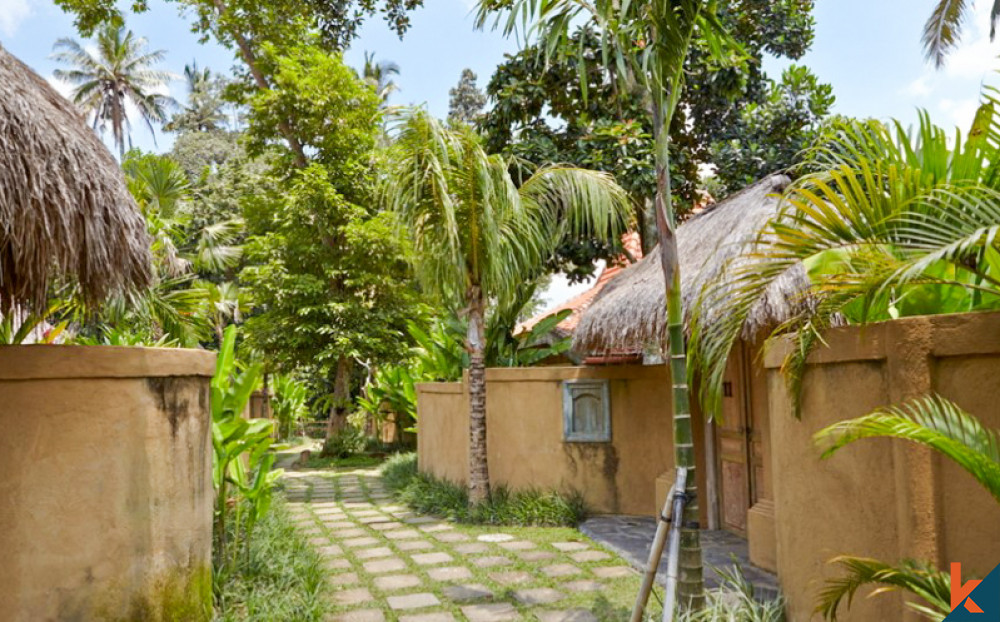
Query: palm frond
x=944 y=29
x=934 y=422
x=918 y=578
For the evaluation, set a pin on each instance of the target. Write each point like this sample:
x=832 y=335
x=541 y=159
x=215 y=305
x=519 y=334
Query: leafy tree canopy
x=466 y=100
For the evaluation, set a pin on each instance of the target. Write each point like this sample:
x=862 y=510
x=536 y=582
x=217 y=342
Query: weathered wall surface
x=878 y=498
x=105 y=483
x=525 y=434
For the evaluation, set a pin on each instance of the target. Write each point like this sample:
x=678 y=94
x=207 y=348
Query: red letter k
x=959 y=591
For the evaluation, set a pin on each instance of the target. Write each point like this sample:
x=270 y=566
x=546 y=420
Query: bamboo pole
x=673 y=548
x=663 y=524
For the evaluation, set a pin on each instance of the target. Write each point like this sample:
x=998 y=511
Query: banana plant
x=241 y=447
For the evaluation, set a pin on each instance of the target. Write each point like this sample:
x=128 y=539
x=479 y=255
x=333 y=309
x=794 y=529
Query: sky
x=869 y=50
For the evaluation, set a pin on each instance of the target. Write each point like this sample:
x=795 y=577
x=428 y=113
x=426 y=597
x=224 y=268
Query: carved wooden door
x=733 y=448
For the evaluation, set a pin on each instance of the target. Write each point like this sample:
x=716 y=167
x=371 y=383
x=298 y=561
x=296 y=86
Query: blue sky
x=869 y=50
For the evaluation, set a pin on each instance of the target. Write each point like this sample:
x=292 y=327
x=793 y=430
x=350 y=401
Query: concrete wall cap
x=36 y=362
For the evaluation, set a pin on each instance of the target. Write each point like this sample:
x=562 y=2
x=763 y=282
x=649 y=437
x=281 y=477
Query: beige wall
x=105 y=483
x=878 y=498
x=525 y=434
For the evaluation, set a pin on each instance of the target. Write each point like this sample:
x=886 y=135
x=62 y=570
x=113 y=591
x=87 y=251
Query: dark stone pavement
x=632 y=536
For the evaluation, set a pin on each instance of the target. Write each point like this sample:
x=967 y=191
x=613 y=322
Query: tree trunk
x=479 y=475
x=690 y=582
x=341 y=398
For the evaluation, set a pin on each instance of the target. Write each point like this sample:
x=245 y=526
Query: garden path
x=388 y=563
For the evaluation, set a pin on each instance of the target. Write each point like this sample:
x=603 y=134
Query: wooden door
x=733 y=448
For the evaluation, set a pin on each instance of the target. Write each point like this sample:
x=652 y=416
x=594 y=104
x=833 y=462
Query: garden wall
x=879 y=498
x=105 y=483
x=525 y=434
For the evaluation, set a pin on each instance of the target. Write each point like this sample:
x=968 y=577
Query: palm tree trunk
x=341 y=398
x=690 y=583
x=479 y=475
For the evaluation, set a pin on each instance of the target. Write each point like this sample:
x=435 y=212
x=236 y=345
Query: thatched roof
x=629 y=314
x=64 y=205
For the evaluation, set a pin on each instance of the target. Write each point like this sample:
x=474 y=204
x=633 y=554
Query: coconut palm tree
x=476 y=236
x=943 y=426
x=203 y=112
x=645 y=46
x=379 y=76
x=119 y=75
x=943 y=29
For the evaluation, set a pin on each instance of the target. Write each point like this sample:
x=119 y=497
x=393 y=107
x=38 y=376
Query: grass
x=430 y=495
x=317 y=461
x=736 y=601
x=280 y=579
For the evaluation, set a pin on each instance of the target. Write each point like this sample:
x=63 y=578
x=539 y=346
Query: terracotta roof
x=579 y=303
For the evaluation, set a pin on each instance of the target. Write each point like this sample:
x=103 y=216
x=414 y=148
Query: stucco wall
x=878 y=498
x=105 y=483
x=525 y=434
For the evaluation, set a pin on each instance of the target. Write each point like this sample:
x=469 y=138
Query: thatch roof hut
x=64 y=206
x=629 y=315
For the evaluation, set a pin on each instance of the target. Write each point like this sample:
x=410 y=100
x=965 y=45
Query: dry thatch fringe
x=629 y=315
x=64 y=206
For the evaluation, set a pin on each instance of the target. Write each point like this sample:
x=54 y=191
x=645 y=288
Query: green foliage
x=327 y=273
x=280 y=578
x=346 y=442
x=943 y=29
x=288 y=403
x=465 y=100
x=735 y=599
x=769 y=135
x=427 y=494
x=941 y=425
x=242 y=459
x=204 y=110
x=918 y=578
x=888 y=222
x=118 y=76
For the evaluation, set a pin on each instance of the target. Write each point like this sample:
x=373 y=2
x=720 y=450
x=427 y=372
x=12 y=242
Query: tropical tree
x=121 y=74
x=943 y=29
x=379 y=76
x=645 y=46
x=465 y=100
x=890 y=223
x=476 y=236
x=943 y=426
x=204 y=109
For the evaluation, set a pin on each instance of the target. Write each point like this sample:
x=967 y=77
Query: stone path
x=387 y=563
x=631 y=537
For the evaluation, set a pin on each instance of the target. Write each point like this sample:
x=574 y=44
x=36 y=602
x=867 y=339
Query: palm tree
x=379 y=76
x=890 y=223
x=943 y=29
x=476 y=236
x=645 y=45
x=941 y=425
x=120 y=74
x=203 y=112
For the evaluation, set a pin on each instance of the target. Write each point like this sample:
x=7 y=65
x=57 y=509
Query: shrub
x=280 y=577
x=736 y=600
x=348 y=441
x=428 y=494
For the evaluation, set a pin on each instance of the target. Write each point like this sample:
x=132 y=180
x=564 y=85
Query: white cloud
x=12 y=13
x=921 y=87
x=65 y=88
x=961 y=112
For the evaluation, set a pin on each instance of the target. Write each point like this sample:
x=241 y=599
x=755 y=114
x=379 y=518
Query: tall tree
x=646 y=46
x=204 y=109
x=476 y=237
x=328 y=276
x=120 y=73
x=466 y=100
x=378 y=74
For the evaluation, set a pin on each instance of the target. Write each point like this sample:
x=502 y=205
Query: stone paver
x=385 y=562
x=567 y=615
x=362 y=615
x=466 y=592
x=561 y=570
x=354 y=596
x=451 y=573
x=538 y=596
x=397 y=582
x=413 y=601
x=430 y=559
x=494 y=612
x=441 y=616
